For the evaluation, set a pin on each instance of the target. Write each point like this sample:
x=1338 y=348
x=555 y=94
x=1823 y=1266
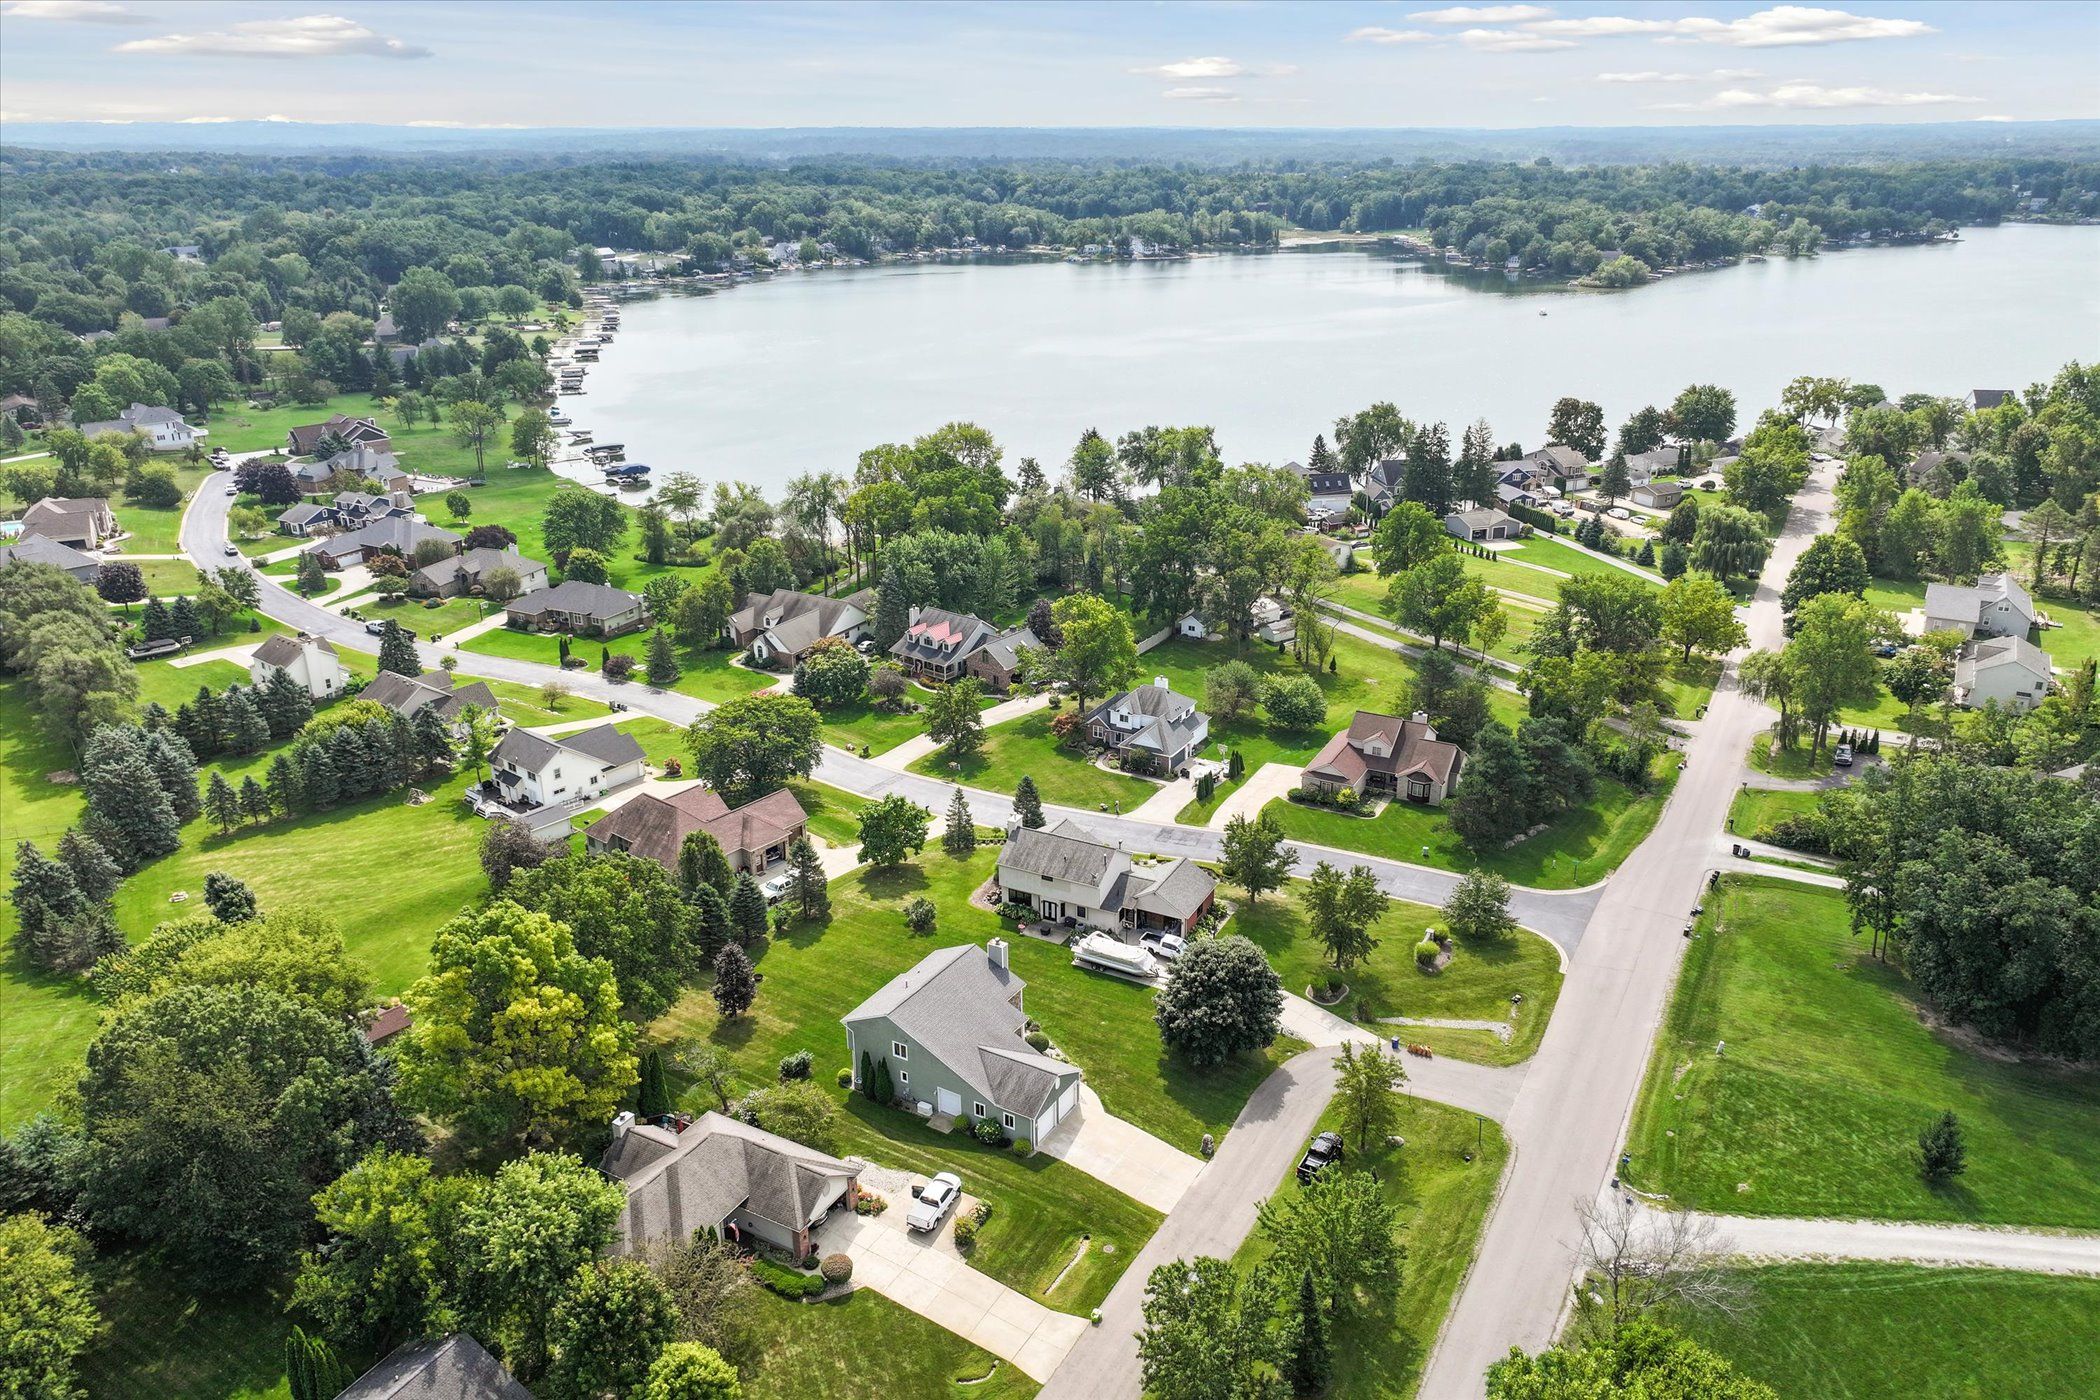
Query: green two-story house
x=952 y=1031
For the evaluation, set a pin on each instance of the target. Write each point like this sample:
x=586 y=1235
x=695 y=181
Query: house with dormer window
x=1387 y=756
x=1154 y=720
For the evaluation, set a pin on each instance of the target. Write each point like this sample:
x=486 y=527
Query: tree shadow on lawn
x=894 y=881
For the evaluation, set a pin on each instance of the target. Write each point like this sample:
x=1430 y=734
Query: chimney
x=1420 y=716
x=995 y=952
x=1161 y=682
x=622 y=1121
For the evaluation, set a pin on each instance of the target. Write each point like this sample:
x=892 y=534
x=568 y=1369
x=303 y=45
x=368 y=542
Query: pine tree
x=653 y=1095
x=892 y=610
x=183 y=618
x=885 y=1088
x=206 y=734
x=661 y=667
x=46 y=900
x=285 y=704
x=230 y=901
x=312 y=579
x=353 y=771
x=1028 y=804
x=710 y=918
x=959 y=838
x=431 y=741
x=154 y=718
x=397 y=653
x=810 y=891
x=287 y=790
x=318 y=779
x=156 y=623
x=1310 y=1362
x=128 y=812
x=747 y=911
x=735 y=985
x=701 y=862
x=867 y=1075
x=255 y=800
x=94 y=874
x=221 y=803
x=246 y=730
x=312 y=1369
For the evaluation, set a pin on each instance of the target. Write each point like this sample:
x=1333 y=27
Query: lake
x=765 y=380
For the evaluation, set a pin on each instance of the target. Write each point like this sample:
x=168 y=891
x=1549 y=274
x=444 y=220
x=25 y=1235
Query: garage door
x=1068 y=1100
x=947 y=1101
x=1045 y=1121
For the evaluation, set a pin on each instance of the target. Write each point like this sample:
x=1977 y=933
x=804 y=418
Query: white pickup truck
x=933 y=1201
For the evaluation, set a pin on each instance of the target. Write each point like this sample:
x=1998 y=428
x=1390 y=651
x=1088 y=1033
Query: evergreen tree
x=318 y=778
x=430 y=741
x=866 y=1083
x=246 y=729
x=701 y=862
x=1942 y=1155
x=747 y=911
x=661 y=665
x=311 y=1367
x=312 y=579
x=94 y=874
x=653 y=1094
x=255 y=800
x=810 y=891
x=960 y=836
x=353 y=762
x=285 y=704
x=175 y=769
x=156 y=624
x=710 y=918
x=287 y=789
x=128 y=812
x=397 y=653
x=1028 y=804
x=892 y=610
x=884 y=1088
x=206 y=732
x=735 y=984
x=154 y=718
x=46 y=902
x=183 y=619
x=1309 y=1363
x=221 y=803
x=230 y=901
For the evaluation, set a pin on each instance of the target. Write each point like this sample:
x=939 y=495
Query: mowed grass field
x=1442 y=1200
x=1832 y=1068
x=1863 y=1331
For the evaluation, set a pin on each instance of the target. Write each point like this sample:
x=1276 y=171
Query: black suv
x=1326 y=1150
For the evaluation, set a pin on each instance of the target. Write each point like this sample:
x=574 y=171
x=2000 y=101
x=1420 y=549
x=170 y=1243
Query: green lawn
x=162 y=1339
x=1061 y=775
x=1796 y=762
x=158 y=529
x=833 y=813
x=705 y=674
x=1851 y=1331
x=1755 y=809
x=448 y=616
x=169 y=686
x=1442 y=1200
x=165 y=578
x=1041 y=1207
x=863 y=1344
x=863 y=728
x=1579 y=848
x=1830 y=1072
x=1475 y=986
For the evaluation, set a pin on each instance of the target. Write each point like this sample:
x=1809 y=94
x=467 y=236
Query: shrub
x=920 y=916
x=987 y=1132
x=1015 y=913
x=1803 y=831
x=672 y=767
x=1037 y=1041
x=870 y=1204
x=965 y=1233
x=795 y=1066
x=1023 y=1146
x=788 y=1283
x=619 y=668
x=1346 y=798
x=1427 y=952
x=845 y=1078
x=836 y=1268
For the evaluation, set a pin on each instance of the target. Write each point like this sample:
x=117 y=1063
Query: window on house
x=900 y=1050
x=904 y=1076
x=977 y=1110
x=1007 y=1119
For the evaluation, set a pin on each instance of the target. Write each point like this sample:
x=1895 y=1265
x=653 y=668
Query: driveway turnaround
x=923 y=1273
x=1123 y=1155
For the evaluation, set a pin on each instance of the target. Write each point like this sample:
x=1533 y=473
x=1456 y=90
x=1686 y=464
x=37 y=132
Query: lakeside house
x=939 y=646
x=1644 y=467
x=311 y=662
x=360 y=462
x=407 y=695
x=453 y=1367
x=37 y=549
x=164 y=429
x=579 y=609
x=1921 y=469
x=531 y=771
x=953 y=1030
x=1383 y=481
x=1386 y=756
x=1153 y=720
x=780 y=628
x=350 y=510
x=754 y=837
x=715 y=1174
x=462 y=574
x=77 y=522
x=2010 y=671
x=1067 y=874
x=1658 y=495
x=399 y=533
x=1327 y=493
x=1980 y=399
x=1482 y=523
x=1994 y=606
x=1563 y=465
x=305 y=440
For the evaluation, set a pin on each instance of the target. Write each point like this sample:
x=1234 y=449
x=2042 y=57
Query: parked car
x=1887 y=649
x=931 y=1203
x=1842 y=756
x=232 y=549
x=377 y=627
x=1163 y=944
x=1619 y=513
x=1325 y=1151
x=1562 y=508
x=776 y=889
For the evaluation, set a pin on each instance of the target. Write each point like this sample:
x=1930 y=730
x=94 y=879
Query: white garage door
x=1045 y=1121
x=947 y=1101
x=1068 y=1099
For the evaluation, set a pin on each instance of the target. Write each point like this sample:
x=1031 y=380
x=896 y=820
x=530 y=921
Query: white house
x=529 y=771
x=164 y=428
x=2010 y=670
x=1994 y=606
x=310 y=661
x=1064 y=872
x=1272 y=618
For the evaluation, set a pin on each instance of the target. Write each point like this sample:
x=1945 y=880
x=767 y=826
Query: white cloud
x=1511 y=41
x=1200 y=94
x=77 y=11
x=1814 y=97
x=1378 y=34
x=1994 y=119
x=1482 y=14
x=306 y=36
x=1195 y=68
x=1782 y=26
x=1712 y=75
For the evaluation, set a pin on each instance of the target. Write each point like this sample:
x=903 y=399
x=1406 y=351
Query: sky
x=1199 y=63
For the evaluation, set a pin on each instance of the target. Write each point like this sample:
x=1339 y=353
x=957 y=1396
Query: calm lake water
x=762 y=381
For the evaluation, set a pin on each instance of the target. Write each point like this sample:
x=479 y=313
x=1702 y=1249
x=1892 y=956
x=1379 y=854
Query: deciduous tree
x=1220 y=1000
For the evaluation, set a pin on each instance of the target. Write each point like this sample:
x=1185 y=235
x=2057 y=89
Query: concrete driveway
x=925 y=1274
x=1122 y=1154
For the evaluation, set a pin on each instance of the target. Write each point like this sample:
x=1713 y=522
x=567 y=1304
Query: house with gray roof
x=1327 y=491
x=718 y=1174
x=36 y=549
x=163 y=428
x=1383 y=481
x=780 y=628
x=462 y=574
x=447 y=1368
x=529 y=771
x=406 y=696
x=1152 y=720
x=953 y=1032
x=1486 y=523
x=1644 y=467
x=310 y=661
x=941 y=646
x=1950 y=466
x=579 y=609
x=400 y=533
x=1994 y=606
x=1071 y=877
x=2012 y=672
x=350 y=510
x=77 y=522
